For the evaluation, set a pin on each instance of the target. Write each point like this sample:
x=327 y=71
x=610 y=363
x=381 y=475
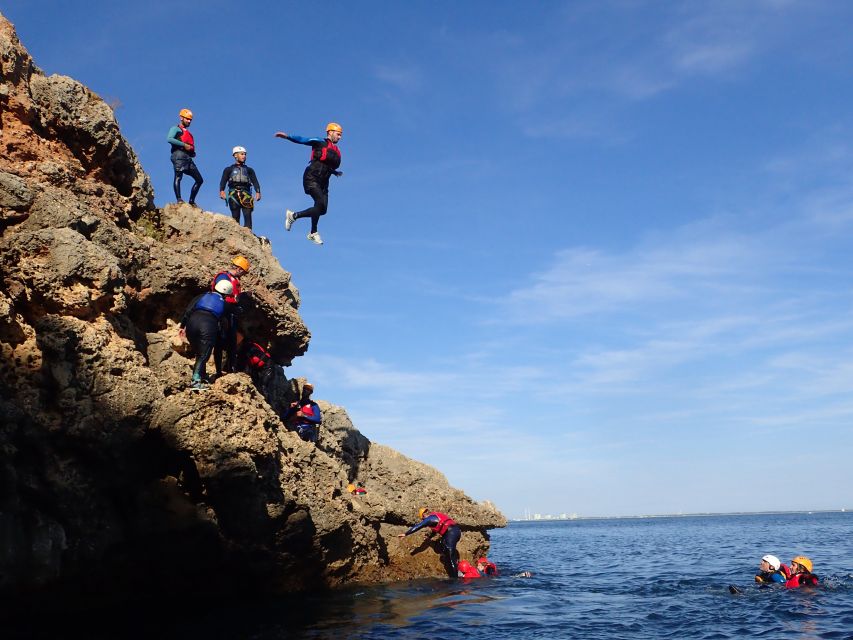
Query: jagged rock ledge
x=114 y=479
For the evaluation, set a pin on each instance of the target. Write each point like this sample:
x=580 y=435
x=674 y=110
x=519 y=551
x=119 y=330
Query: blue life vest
x=211 y=302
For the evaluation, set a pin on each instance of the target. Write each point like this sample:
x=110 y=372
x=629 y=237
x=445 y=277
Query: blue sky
x=588 y=257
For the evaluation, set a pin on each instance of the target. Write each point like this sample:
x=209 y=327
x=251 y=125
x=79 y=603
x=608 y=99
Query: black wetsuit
x=204 y=331
x=240 y=179
x=325 y=160
x=182 y=161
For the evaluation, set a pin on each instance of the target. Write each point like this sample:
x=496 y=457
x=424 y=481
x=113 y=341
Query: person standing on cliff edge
x=325 y=160
x=183 y=152
x=444 y=526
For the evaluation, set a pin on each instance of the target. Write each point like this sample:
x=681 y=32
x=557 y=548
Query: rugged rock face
x=114 y=478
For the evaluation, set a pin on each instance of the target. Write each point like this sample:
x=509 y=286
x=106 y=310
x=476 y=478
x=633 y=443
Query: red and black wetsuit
x=450 y=533
x=182 y=160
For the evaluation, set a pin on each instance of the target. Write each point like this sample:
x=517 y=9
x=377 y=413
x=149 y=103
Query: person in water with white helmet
x=240 y=178
x=325 y=160
x=771 y=570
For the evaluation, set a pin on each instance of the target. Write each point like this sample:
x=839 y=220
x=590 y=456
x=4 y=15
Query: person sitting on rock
x=444 y=526
x=772 y=570
x=183 y=152
x=304 y=416
x=240 y=179
x=239 y=267
x=201 y=324
x=801 y=573
x=487 y=567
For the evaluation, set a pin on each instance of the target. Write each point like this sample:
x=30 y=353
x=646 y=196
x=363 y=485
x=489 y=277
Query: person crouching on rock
x=254 y=358
x=239 y=267
x=444 y=526
x=202 y=325
x=304 y=416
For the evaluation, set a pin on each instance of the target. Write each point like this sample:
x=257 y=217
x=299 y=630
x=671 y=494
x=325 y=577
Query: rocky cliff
x=114 y=478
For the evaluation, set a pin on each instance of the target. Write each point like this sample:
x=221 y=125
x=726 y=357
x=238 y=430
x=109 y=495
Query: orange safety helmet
x=803 y=562
x=421 y=512
x=241 y=262
x=334 y=126
x=186 y=113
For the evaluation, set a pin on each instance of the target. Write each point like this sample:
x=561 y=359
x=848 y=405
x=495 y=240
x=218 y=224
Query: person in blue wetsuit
x=240 y=178
x=202 y=325
x=444 y=526
x=325 y=160
x=304 y=416
x=183 y=152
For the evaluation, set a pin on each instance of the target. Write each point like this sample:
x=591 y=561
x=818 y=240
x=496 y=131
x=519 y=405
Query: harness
x=444 y=523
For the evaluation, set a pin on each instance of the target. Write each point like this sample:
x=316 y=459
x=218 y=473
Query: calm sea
x=638 y=578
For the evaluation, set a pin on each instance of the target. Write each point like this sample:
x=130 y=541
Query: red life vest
x=329 y=155
x=444 y=523
x=802 y=580
x=467 y=570
x=258 y=356
x=234 y=283
x=187 y=138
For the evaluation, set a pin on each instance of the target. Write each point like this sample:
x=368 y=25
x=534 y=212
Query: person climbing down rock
x=201 y=324
x=444 y=526
x=254 y=358
x=325 y=160
x=183 y=152
x=240 y=178
x=801 y=573
x=304 y=416
x=228 y=344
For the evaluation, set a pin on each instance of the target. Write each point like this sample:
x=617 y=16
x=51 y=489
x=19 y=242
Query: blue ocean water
x=619 y=578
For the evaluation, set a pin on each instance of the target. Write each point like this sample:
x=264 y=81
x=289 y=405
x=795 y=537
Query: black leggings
x=191 y=170
x=449 y=541
x=235 y=207
x=203 y=334
x=321 y=204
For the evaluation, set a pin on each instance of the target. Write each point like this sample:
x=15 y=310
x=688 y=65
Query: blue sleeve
x=429 y=521
x=314 y=142
x=172 y=137
x=777 y=577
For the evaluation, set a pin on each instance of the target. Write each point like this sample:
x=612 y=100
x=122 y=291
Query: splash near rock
x=117 y=481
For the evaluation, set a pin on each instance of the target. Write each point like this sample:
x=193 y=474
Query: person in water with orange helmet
x=487 y=567
x=325 y=160
x=183 y=152
x=444 y=526
x=801 y=573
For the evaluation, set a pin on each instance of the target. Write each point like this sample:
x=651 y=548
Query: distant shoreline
x=683 y=515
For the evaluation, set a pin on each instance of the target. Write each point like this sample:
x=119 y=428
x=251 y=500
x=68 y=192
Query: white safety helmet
x=773 y=561
x=237 y=150
x=224 y=287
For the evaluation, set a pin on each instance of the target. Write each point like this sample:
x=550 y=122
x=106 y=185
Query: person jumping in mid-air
x=325 y=160
x=183 y=152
